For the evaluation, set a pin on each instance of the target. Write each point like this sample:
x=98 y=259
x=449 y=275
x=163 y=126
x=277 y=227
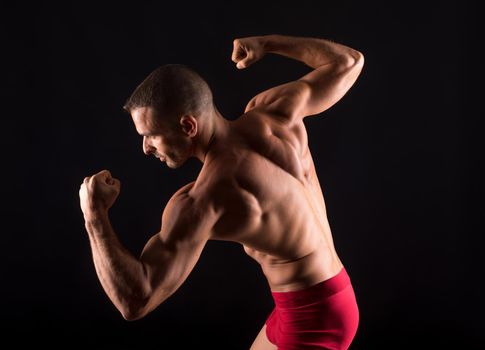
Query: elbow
x=354 y=59
x=132 y=315
x=134 y=310
x=359 y=59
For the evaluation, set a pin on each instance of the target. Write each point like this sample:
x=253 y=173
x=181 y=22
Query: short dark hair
x=174 y=89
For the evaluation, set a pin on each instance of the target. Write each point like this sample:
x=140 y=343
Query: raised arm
x=335 y=69
x=137 y=285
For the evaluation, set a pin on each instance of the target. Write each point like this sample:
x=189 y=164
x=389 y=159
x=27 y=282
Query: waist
x=314 y=293
x=284 y=276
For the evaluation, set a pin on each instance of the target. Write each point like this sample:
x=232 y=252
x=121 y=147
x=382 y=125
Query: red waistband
x=314 y=293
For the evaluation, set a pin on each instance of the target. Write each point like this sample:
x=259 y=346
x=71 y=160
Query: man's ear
x=189 y=125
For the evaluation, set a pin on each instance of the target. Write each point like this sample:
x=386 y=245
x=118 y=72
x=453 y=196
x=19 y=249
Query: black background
x=400 y=160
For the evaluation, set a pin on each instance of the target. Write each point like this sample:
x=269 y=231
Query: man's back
x=272 y=203
x=261 y=176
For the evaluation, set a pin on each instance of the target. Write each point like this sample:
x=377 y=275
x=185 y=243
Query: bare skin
x=257 y=187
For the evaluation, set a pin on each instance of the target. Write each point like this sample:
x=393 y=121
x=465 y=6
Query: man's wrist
x=95 y=217
x=267 y=42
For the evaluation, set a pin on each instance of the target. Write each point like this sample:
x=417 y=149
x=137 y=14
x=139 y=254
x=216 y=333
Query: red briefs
x=323 y=316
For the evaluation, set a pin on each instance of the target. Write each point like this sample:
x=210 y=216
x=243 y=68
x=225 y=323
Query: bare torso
x=265 y=183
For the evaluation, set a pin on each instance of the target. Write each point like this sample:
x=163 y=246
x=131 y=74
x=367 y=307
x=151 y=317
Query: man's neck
x=216 y=127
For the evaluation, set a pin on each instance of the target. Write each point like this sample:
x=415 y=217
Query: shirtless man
x=257 y=187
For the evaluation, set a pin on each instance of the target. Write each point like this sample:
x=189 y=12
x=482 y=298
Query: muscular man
x=257 y=187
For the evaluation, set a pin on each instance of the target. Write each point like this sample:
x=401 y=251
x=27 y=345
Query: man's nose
x=147 y=148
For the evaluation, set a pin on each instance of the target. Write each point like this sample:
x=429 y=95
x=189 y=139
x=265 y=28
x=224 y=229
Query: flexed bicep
x=335 y=69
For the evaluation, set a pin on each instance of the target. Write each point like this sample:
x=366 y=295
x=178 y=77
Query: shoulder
x=217 y=194
x=188 y=200
x=271 y=136
x=188 y=216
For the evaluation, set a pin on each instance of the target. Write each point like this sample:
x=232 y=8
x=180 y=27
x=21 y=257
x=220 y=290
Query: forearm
x=314 y=52
x=120 y=273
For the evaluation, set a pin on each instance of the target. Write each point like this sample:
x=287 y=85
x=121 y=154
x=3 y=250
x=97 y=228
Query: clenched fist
x=248 y=50
x=98 y=193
